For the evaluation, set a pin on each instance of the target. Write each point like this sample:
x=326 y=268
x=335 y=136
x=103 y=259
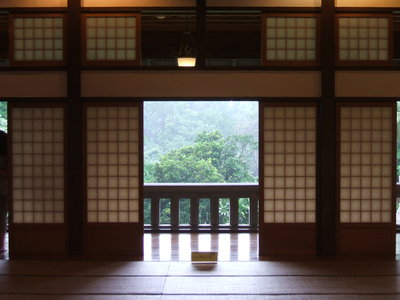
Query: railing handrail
x=196 y=191
x=201 y=189
x=201 y=184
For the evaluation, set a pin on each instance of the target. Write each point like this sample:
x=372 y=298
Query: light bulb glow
x=186 y=61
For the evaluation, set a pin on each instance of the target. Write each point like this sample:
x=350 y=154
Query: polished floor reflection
x=178 y=246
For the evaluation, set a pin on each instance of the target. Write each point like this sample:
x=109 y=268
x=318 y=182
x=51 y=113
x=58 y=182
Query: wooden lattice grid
x=37 y=165
x=289 y=164
x=112 y=164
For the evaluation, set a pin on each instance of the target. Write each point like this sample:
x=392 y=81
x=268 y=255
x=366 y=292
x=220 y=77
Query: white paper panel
x=366 y=164
x=111 y=38
x=291 y=38
x=363 y=38
x=38 y=165
x=112 y=165
x=38 y=38
x=289 y=164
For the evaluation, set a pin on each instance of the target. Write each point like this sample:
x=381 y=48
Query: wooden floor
x=240 y=277
x=178 y=246
x=183 y=280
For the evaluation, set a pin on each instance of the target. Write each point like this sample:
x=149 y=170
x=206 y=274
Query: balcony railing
x=200 y=207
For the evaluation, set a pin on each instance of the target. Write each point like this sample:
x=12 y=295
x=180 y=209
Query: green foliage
x=224 y=211
x=200 y=142
x=165 y=211
x=149 y=173
x=171 y=125
x=184 y=211
x=212 y=158
x=3 y=116
x=244 y=211
x=204 y=211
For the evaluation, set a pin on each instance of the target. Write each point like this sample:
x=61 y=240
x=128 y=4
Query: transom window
x=364 y=39
x=290 y=39
x=37 y=40
x=112 y=39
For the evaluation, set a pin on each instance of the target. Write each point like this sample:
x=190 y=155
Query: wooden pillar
x=326 y=172
x=155 y=212
x=74 y=127
x=253 y=211
x=201 y=34
x=214 y=212
x=174 y=212
x=194 y=211
x=234 y=212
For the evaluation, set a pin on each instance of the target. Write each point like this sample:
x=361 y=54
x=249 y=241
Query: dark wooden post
x=326 y=182
x=234 y=212
x=74 y=130
x=214 y=211
x=155 y=212
x=194 y=211
x=174 y=212
x=201 y=34
x=253 y=211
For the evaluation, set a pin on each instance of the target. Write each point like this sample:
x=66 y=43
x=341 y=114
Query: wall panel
x=33 y=84
x=263 y=3
x=113 y=181
x=366 y=179
x=287 y=226
x=33 y=3
x=37 y=181
x=367 y=3
x=367 y=84
x=139 y=3
x=201 y=84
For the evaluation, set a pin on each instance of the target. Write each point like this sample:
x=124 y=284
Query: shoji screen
x=37 y=40
x=364 y=39
x=290 y=39
x=288 y=180
x=112 y=39
x=113 y=179
x=366 y=184
x=37 y=214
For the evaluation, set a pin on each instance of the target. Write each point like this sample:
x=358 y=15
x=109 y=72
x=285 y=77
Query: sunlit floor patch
x=178 y=246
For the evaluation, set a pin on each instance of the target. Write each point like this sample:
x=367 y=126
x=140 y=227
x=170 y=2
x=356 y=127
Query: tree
x=212 y=158
x=170 y=125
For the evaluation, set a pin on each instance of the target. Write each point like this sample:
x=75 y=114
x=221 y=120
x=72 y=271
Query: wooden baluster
x=214 y=211
x=174 y=212
x=234 y=212
x=253 y=211
x=194 y=212
x=155 y=212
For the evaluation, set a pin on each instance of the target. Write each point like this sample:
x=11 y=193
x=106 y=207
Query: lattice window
x=112 y=39
x=366 y=146
x=290 y=39
x=37 y=165
x=289 y=164
x=112 y=164
x=38 y=39
x=364 y=38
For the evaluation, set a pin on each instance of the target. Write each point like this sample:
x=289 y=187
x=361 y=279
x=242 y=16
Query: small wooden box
x=204 y=256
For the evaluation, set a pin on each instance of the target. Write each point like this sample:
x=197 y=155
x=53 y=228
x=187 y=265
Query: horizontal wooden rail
x=196 y=191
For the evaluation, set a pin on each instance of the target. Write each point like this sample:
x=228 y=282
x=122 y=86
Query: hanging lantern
x=187 y=51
